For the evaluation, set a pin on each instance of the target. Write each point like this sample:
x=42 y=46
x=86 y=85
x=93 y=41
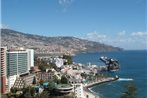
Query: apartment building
x=78 y=90
x=3 y=68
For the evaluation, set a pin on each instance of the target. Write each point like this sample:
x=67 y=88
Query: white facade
x=11 y=81
x=78 y=90
x=30 y=58
x=19 y=61
x=59 y=62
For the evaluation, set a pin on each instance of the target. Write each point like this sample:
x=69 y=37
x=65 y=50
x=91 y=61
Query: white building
x=19 y=61
x=11 y=81
x=59 y=62
x=78 y=90
x=30 y=58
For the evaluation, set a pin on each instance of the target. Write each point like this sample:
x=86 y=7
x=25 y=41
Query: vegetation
x=51 y=85
x=34 y=81
x=12 y=93
x=68 y=58
x=43 y=65
x=84 y=75
x=13 y=90
x=64 y=80
x=56 y=80
x=28 y=92
x=103 y=75
x=45 y=94
x=130 y=92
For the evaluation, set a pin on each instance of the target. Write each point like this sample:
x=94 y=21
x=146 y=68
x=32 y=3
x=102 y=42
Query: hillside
x=43 y=44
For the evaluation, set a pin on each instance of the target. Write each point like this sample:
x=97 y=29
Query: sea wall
x=104 y=80
x=90 y=94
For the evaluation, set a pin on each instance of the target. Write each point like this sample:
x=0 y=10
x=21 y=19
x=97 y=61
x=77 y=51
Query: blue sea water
x=133 y=68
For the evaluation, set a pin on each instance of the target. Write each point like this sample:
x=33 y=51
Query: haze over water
x=133 y=68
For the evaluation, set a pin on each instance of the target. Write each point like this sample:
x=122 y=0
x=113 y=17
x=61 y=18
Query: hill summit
x=43 y=44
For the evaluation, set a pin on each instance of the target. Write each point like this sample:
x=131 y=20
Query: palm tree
x=131 y=91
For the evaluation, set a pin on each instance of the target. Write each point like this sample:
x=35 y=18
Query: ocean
x=133 y=68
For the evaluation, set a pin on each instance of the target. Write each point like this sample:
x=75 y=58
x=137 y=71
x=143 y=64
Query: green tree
x=32 y=91
x=42 y=68
x=13 y=90
x=56 y=80
x=64 y=79
x=51 y=85
x=84 y=75
x=42 y=65
x=34 y=80
x=27 y=95
x=27 y=92
x=68 y=58
x=131 y=91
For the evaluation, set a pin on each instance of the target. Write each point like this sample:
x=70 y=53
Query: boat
x=111 y=63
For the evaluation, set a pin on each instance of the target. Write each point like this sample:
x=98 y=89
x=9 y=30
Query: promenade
x=90 y=94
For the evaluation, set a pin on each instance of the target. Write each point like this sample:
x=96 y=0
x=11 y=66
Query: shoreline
x=90 y=85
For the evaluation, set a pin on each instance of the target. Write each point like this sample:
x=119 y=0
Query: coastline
x=101 y=81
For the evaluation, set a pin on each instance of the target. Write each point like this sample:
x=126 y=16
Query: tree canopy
x=64 y=79
x=130 y=92
x=68 y=58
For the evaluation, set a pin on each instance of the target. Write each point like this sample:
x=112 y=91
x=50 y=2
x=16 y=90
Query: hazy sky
x=116 y=22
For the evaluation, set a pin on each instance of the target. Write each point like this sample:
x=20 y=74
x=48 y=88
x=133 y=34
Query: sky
x=121 y=23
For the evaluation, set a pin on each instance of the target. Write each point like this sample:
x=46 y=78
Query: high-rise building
x=30 y=58
x=3 y=66
x=19 y=61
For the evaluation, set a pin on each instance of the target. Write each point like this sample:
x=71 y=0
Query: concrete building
x=24 y=81
x=64 y=89
x=78 y=90
x=30 y=58
x=19 y=61
x=45 y=76
x=11 y=81
x=59 y=62
x=3 y=66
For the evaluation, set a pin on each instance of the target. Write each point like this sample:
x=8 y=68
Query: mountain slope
x=43 y=44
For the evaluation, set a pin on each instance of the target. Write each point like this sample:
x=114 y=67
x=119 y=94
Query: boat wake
x=125 y=79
